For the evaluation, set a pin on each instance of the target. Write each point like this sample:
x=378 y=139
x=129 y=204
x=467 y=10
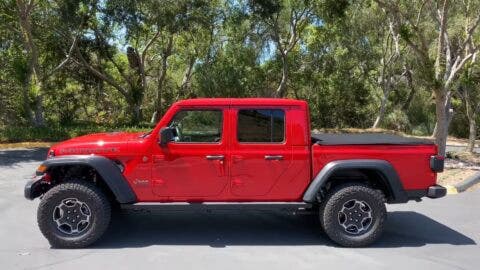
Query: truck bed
x=366 y=139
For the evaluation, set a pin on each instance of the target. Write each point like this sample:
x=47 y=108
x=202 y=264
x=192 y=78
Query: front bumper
x=436 y=191
x=35 y=187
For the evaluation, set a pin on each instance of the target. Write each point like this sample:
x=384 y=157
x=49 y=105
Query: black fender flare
x=105 y=167
x=386 y=170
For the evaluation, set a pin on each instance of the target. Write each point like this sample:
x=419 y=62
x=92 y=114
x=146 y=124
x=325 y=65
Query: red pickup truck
x=252 y=153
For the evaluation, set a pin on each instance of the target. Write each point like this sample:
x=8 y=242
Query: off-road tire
x=99 y=209
x=332 y=205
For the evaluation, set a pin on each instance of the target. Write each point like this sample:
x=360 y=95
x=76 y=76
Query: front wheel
x=73 y=214
x=353 y=215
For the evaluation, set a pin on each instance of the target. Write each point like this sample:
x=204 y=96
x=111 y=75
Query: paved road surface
x=434 y=234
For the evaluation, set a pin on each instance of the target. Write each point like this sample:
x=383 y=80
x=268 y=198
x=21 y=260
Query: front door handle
x=273 y=157
x=215 y=157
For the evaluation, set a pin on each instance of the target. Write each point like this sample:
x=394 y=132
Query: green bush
x=397 y=120
x=60 y=133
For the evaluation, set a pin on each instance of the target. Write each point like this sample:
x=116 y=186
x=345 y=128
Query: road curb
x=464 y=185
x=469 y=182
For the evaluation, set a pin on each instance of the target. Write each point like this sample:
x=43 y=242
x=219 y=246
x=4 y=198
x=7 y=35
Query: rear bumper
x=432 y=192
x=436 y=191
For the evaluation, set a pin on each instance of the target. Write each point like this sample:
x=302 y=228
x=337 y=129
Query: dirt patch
x=470 y=158
x=454 y=176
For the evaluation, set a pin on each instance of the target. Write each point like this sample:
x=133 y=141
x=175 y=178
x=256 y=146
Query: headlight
x=51 y=154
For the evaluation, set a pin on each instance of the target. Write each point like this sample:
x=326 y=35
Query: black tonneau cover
x=365 y=138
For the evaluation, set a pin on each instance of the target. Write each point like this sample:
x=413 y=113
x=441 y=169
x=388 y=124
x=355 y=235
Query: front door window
x=197 y=126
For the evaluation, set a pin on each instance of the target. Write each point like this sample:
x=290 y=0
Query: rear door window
x=261 y=125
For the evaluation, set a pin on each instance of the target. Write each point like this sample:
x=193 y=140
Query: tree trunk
x=282 y=87
x=411 y=94
x=472 y=135
x=135 y=112
x=381 y=113
x=26 y=101
x=39 y=116
x=187 y=76
x=442 y=121
x=162 y=74
x=34 y=74
x=158 y=97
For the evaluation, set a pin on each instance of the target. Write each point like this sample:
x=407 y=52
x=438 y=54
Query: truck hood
x=107 y=144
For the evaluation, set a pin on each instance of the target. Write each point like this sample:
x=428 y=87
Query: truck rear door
x=260 y=150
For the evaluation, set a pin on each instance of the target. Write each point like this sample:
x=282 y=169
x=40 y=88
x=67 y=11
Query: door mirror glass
x=166 y=135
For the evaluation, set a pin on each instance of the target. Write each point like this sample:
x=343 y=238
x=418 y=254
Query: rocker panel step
x=186 y=206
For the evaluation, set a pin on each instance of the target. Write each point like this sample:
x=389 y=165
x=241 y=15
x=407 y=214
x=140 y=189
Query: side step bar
x=185 y=206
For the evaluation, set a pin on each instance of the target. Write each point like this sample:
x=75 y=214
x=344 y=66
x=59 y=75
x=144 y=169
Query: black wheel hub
x=355 y=217
x=72 y=216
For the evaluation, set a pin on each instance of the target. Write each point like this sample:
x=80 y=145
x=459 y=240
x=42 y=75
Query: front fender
x=105 y=167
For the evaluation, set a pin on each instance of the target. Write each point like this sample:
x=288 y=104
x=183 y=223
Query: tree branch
x=149 y=43
x=68 y=56
x=456 y=67
x=99 y=74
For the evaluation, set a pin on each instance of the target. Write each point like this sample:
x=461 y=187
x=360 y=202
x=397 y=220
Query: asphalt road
x=434 y=234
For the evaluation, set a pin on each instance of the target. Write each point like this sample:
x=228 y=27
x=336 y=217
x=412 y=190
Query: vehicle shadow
x=14 y=156
x=403 y=229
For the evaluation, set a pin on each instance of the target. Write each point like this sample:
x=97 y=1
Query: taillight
x=437 y=163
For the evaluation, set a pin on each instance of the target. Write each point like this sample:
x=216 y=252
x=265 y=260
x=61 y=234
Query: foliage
x=118 y=63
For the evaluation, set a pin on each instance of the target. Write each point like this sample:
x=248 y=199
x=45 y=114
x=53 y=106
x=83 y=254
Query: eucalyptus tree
x=36 y=19
x=285 y=22
x=468 y=89
x=428 y=24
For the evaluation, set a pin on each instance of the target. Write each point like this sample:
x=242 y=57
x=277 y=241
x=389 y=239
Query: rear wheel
x=73 y=214
x=353 y=215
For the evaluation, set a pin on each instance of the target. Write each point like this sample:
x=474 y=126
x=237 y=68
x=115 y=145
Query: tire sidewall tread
x=86 y=192
x=329 y=207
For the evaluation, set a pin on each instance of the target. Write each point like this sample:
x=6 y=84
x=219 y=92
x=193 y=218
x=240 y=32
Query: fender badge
x=145 y=159
x=141 y=182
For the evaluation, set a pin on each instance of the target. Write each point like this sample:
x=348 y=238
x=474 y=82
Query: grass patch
x=26 y=145
x=60 y=133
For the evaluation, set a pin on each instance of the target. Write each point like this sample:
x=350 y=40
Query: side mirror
x=166 y=135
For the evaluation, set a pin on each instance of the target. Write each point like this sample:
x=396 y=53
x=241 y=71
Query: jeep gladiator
x=253 y=153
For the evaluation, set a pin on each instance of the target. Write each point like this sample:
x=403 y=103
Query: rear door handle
x=273 y=157
x=215 y=157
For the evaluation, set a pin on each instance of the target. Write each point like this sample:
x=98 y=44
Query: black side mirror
x=166 y=135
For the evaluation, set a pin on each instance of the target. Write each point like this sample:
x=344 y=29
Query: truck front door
x=193 y=166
